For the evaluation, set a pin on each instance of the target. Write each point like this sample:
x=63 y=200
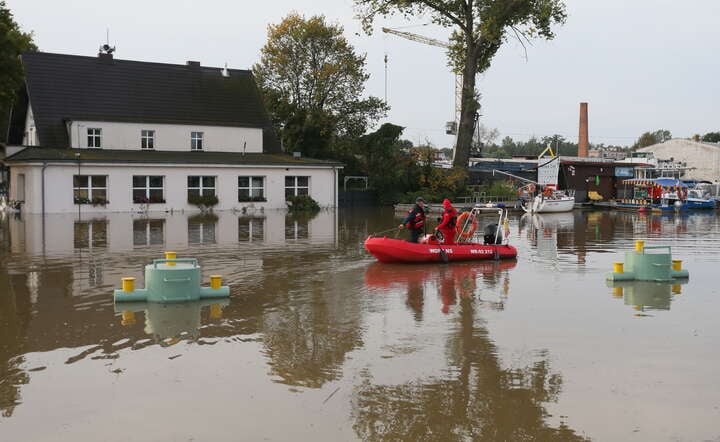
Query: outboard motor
x=489 y=234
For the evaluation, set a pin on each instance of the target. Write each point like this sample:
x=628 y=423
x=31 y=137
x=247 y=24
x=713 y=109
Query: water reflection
x=473 y=398
x=450 y=282
x=115 y=232
x=647 y=295
x=168 y=323
x=476 y=351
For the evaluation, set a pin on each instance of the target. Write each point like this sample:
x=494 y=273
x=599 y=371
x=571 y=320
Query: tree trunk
x=468 y=109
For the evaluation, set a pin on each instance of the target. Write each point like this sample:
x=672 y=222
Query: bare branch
x=519 y=38
x=444 y=12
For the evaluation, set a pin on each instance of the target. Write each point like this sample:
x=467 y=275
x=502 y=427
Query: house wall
x=702 y=158
x=174 y=137
x=59 y=186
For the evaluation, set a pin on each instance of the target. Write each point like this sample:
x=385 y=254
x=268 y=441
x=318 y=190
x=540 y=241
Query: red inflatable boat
x=396 y=250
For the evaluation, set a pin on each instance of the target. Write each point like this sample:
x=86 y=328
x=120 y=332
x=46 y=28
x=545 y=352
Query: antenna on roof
x=225 y=72
x=106 y=48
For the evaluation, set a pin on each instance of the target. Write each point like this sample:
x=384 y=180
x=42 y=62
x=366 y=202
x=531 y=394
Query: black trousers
x=415 y=235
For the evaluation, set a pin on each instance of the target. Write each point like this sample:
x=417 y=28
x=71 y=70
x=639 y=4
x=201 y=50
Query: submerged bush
x=302 y=203
x=204 y=202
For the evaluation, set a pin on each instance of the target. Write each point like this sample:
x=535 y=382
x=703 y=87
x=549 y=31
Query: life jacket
x=453 y=219
x=418 y=221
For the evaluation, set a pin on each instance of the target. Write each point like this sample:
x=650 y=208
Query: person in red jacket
x=447 y=224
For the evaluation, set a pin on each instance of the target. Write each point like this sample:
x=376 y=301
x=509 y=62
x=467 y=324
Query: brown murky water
x=319 y=342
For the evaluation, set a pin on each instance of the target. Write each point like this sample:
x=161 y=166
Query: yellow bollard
x=171 y=256
x=215 y=281
x=215 y=311
x=639 y=246
x=128 y=317
x=676 y=290
x=128 y=285
x=618 y=267
x=617 y=292
x=677 y=264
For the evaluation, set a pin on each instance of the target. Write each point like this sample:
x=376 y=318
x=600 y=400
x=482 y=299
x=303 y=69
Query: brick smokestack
x=583 y=136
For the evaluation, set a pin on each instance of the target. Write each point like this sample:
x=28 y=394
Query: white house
x=701 y=160
x=96 y=134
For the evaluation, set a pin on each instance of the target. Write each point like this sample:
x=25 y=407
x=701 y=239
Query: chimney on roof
x=193 y=64
x=225 y=72
x=583 y=135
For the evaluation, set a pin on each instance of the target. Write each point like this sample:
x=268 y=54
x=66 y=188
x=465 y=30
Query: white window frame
x=250 y=188
x=94 y=137
x=147 y=139
x=202 y=187
x=90 y=188
x=295 y=185
x=196 y=140
x=148 y=188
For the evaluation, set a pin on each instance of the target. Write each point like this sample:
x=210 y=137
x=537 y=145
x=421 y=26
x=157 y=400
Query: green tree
x=711 y=137
x=650 y=138
x=387 y=165
x=312 y=81
x=13 y=42
x=479 y=28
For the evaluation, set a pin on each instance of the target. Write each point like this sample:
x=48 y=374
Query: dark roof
x=71 y=87
x=35 y=154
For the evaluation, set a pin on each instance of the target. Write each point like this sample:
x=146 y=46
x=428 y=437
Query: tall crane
x=451 y=127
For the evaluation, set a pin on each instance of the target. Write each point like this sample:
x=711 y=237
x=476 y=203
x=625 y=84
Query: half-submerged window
x=148 y=189
x=251 y=188
x=90 y=189
x=297 y=185
x=147 y=139
x=196 y=141
x=94 y=137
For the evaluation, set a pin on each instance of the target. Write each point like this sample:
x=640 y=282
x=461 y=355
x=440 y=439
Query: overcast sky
x=640 y=64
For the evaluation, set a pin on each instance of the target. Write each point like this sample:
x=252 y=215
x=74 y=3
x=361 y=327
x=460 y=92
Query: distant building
x=701 y=160
x=103 y=135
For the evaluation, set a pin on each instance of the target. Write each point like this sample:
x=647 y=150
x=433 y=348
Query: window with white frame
x=251 y=188
x=196 y=141
x=297 y=185
x=148 y=189
x=90 y=189
x=147 y=139
x=251 y=229
x=201 y=186
x=94 y=137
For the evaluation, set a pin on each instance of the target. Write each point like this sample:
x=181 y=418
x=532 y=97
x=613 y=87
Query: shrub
x=302 y=203
x=203 y=202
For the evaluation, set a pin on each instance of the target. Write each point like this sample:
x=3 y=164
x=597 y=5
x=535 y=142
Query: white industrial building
x=96 y=134
x=701 y=161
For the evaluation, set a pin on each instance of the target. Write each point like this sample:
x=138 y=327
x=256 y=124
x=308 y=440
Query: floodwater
x=319 y=342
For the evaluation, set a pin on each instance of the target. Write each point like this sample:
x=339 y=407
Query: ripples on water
x=339 y=346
